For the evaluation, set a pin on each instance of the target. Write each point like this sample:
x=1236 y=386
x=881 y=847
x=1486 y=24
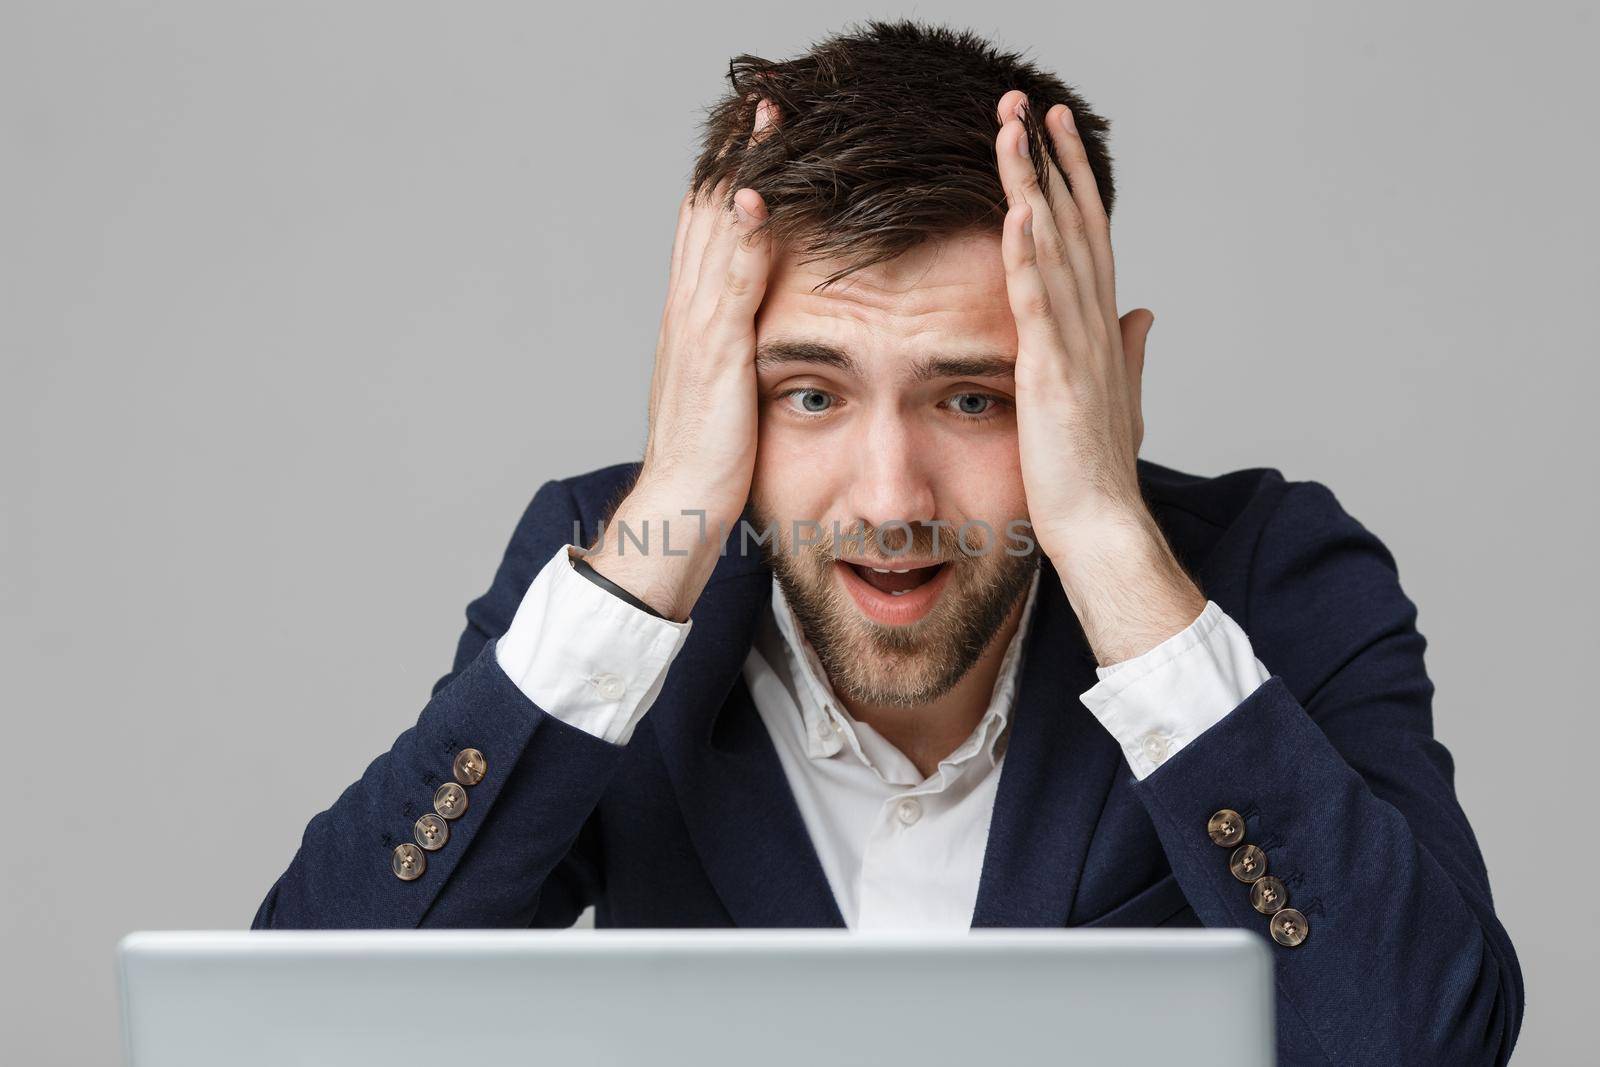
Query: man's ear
x=1135 y=329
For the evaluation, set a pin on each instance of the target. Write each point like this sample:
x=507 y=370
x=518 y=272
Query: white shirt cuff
x=1159 y=701
x=584 y=655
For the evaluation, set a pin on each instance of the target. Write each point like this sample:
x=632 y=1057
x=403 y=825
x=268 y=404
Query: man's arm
x=595 y=660
x=1157 y=702
x=545 y=737
x=480 y=814
x=1388 y=948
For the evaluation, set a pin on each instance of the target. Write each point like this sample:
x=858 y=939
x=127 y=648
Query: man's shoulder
x=1225 y=526
x=1202 y=513
x=1286 y=560
x=1215 y=500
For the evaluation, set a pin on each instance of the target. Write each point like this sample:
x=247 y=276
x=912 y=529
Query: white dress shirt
x=899 y=850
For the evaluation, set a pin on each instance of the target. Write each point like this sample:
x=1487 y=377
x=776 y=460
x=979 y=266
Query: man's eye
x=812 y=401
x=977 y=406
x=974 y=407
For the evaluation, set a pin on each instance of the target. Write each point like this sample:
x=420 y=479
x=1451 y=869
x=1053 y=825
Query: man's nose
x=891 y=482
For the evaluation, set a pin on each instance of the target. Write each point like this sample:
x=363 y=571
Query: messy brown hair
x=885 y=139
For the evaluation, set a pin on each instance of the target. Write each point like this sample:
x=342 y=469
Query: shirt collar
x=829 y=728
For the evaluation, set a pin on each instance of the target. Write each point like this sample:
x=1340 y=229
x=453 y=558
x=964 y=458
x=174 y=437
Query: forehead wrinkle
x=905 y=280
x=925 y=299
x=961 y=313
x=937 y=319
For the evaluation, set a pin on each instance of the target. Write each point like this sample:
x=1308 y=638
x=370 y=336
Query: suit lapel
x=736 y=801
x=1058 y=770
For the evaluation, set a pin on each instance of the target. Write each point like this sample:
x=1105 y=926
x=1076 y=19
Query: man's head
x=884 y=343
x=886 y=139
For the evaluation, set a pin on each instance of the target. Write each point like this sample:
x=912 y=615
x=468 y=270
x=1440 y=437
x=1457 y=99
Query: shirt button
x=1154 y=747
x=610 y=686
x=826 y=727
x=908 y=810
x=1226 y=828
x=1289 y=927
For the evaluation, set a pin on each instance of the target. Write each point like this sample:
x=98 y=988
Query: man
x=891 y=332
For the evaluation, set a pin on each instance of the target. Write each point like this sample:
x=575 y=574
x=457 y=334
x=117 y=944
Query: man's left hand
x=1078 y=374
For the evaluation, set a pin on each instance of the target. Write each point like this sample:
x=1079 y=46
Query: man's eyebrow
x=963 y=367
x=773 y=354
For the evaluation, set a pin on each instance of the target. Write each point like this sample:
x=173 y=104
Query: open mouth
x=894 y=596
x=896 y=582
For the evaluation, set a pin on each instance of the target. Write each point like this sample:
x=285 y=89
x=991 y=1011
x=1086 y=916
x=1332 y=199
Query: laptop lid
x=773 y=998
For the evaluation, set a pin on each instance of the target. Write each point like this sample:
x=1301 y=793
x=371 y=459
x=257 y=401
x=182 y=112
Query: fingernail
x=1027 y=225
x=1022 y=143
x=742 y=215
x=1066 y=119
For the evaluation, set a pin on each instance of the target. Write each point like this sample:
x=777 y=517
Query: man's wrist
x=1128 y=590
x=663 y=560
x=583 y=655
x=586 y=569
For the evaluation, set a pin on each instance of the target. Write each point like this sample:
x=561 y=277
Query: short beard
x=872 y=664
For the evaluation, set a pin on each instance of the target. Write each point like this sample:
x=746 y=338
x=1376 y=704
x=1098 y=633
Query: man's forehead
x=968 y=260
x=946 y=300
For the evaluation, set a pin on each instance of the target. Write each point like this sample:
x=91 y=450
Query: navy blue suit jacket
x=1332 y=762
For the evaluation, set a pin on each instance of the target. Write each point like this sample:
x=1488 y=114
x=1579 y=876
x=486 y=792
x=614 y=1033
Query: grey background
x=299 y=303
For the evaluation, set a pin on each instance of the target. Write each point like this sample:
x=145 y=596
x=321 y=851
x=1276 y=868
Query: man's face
x=901 y=436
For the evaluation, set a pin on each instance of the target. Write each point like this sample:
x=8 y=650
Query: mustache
x=924 y=543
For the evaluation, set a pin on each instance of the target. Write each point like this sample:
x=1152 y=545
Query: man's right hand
x=701 y=450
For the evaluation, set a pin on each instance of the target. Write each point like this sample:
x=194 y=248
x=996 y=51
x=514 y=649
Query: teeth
x=885 y=570
x=904 y=571
x=900 y=592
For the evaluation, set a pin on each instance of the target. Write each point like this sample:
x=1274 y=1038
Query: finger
x=718 y=248
x=766 y=122
x=679 y=240
x=1038 y=335
x=1010 y=101
x=675 y=278
x=748 y=268
x=724 y=236
x=703 y=220
x=1074 y=157
x=1020 y=180
x=1075 y=243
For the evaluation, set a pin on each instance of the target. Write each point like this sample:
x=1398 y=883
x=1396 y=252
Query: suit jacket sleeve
x=525 y=851
x=1333 y=764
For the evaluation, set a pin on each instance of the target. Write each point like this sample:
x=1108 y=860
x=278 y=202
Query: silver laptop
x=752 y=998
